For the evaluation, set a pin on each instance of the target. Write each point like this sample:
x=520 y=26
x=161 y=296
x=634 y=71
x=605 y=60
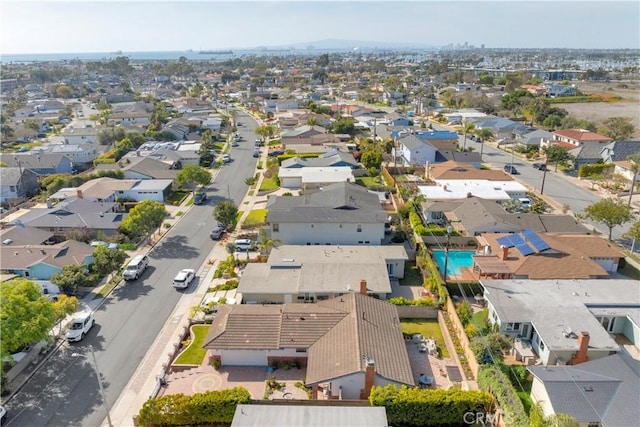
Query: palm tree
x=467 y=127
x=265 y=243
x=634 y=159
x=483 y=134
x=312 y=121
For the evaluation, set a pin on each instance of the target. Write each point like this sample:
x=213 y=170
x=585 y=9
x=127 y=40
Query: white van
x=525 y=202
x=136 y=267
x=244 y=244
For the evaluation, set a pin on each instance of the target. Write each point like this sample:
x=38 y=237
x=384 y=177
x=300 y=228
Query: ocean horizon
x=204 y=55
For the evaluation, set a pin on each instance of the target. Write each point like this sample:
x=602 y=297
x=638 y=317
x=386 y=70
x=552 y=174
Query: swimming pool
x=457 y=259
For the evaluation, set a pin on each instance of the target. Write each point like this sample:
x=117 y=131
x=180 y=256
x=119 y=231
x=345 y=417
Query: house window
x=541 y=345
x=12 y=188
x=275 y=227
x=513 y=327
x=593 y=424
x=301 y=350
x=359 y=228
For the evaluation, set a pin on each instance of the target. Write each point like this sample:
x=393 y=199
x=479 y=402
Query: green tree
x=144 y=218
x=62 y=307
x=265 y=131
x=192 y=175
x=5 y=130
x=466 y=128
x=558 y=155
x=484 y=134
x=634 y=234
x=634 y=160
x=33 y=125
x=618 y=128
x=343 y=126
x=71 y=278
x=611 y=212
x=552 y=121
x=265 y=243
x=226 y=212
x=106 y=261
x=371 y=159
x=64 y=91
x=26 y=316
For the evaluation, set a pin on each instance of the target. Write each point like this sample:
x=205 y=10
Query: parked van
x=243 y=244
x=136 y=267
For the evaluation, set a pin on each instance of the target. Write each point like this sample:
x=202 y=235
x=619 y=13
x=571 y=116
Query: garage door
x=244 y=358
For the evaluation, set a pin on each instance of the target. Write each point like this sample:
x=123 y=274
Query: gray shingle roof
x=341 y=202
x=605 y=390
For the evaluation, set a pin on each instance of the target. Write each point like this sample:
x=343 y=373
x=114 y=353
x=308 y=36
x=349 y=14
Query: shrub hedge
x=216 y=406
x=491 y=379
x=427 y=407
x=586 y=171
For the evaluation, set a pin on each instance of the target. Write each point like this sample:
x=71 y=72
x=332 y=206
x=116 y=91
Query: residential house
x=310 y=416
x=112 y=190
x=340 y=214
x=314 y=178
x=213 y=123
x=554 y=90
x=601 y=392
x=475 y=216
x=619 y=151
x=130 y=118
x=472 y=158
x=529 y=255
x=502 y=128
x=532 y=137
x=41 y=164
x=572 y=138
x=366 y=331
x=286 y=104
x=414 y=151
x=564 y=321
x=40 y=262
x=587 y=154
x=315 y=273
x=21 y=235
x=73 y=135
x=399 y=121
x=177 y=129
x=79 y=154
x=143 y=168
x=75 y=214
x=442 y=140
x=304 y=131
x=17 y=184
x=455 y=189
x=330 y=159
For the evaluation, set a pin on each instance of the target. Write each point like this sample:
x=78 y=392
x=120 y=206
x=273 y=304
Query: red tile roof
x=582 y=135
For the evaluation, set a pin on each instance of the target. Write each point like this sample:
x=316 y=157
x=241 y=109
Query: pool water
x=457 y=259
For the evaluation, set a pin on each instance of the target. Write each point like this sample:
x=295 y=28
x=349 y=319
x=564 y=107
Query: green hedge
x=217 y=406
x=586 y=171
x=427 y=407
x=492 y=379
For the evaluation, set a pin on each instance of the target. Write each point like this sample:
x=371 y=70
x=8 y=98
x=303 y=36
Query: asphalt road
x=65 y=391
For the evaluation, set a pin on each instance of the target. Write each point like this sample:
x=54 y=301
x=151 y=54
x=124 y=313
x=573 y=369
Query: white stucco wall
x=328 y=233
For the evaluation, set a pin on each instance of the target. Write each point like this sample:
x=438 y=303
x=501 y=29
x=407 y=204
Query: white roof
x=482 y=188
x=319 y=174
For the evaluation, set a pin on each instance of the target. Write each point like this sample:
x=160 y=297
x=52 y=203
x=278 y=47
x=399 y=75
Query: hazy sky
x=105 y=26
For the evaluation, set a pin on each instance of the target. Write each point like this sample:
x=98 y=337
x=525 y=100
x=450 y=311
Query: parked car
x=184 y=278
x=511 y=169
x=199 y=198
x=217 y=232
x=244 y=244
x=226 y=158
x=275 y=153
x=3 y=415
x=256 y=152
x=540 y=166
x=80 y=325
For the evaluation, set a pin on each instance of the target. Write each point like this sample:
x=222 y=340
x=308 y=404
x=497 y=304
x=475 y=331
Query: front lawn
x=630 y=271
x=412 y=275
x=176 y=197
x=194 y=354
x=256 y=217
x=269 y=184
x=428 y=328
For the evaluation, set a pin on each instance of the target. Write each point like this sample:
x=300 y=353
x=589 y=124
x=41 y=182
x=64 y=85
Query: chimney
x=138 y=153
x=79 y=194
x=504 y=252
x=580 y=356
x=369 y=377
x=363 y=287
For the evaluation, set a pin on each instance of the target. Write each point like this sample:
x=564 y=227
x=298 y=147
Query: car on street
x=256 y=152
x=199 y=198
x=275 y=153
x=540 y=166
x=80 y=325
x=184 y=278
x=217 y=232
x=3 y=415
x=226 y=158
x=511 y=169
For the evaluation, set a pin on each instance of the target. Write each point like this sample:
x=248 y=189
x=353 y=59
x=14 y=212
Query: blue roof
x=436 y=134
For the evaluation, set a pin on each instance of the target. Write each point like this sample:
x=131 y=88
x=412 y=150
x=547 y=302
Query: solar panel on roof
x=505 y=241
x=529 y=233
x=517 y=240
x=524 y=249
x=539 y=244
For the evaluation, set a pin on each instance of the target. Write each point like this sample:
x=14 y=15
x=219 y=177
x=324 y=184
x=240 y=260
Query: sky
x=105 y=26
